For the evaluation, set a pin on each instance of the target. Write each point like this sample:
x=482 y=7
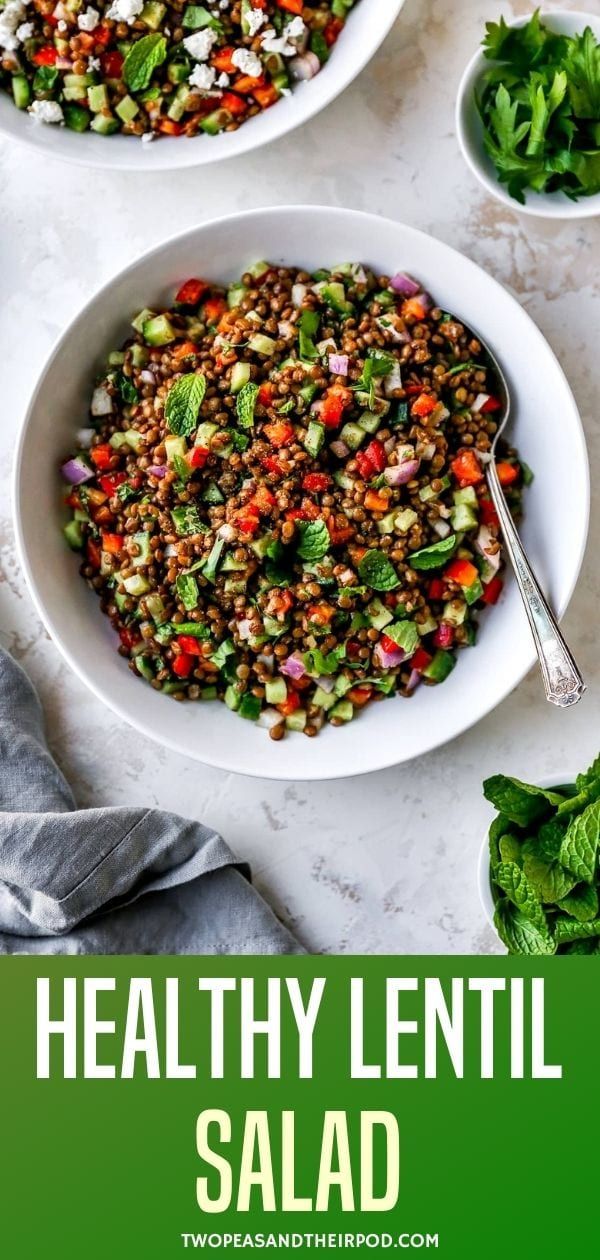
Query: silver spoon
x=563 y=683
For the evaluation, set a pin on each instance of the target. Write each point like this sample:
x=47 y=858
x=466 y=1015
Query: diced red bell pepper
x=359 y=695
x=507 y=473
x=279 y=433
x=247 y=520
x=466 y=468
x=435 y=589
x=213 y=309
x=45 y=56
x=290 y=705
x=198 y=456
x=353 y=648
x=102 y=455
x=102 y=34
x=339 y=533
x=491 y=404
x=387 y=644
x=222 y=60
x=321 y=614
x=333 y=404
x=297 y=514
x=317 y=483
x=169 y=127
x=424 y=405
x=93 y=552
x=273 y=465
x=235 y=104
x=183 y=665
x=128 y=637
x=190 y=293
x=462 y=572
x=372 y=459
x=493 y=590
x=111 y=482
x=263 y=500
x=413 y=308
x=112 y=64
x=265 y=394
x=113 y=543
x=332 y=30
x=487 y=512
x=444 y=636
x=265 y=96
x=290 y=6
x=189 y=644
x=184 y=350
x=376 y=501
x=311 y=508
x=411 y=389
x=420 y=659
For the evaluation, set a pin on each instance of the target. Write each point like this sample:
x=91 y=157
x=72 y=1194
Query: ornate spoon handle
x=563 y=683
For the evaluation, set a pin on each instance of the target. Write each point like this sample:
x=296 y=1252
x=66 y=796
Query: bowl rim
x=537 y=205
x=370 y=221
x=484 y=883
x=243 y=141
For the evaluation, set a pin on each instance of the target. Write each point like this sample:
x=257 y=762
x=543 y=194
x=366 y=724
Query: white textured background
x=387 y=863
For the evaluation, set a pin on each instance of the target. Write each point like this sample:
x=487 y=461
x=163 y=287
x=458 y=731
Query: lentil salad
x=281 y=496
x=153 y=69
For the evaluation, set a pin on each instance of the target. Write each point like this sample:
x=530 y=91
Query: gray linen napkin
x=114 y=880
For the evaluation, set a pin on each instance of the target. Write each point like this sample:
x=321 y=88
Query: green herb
x=377 y=571
x=209 y=569
x=540 y=106
x=378 y=363
x=225 y=649
x=288 y=406
x=433 y=557
x=44 y=79
x=544 y=864
x=405 y=634
x=126 y=388
x=314 y=539
x=196 y=17
x=126 y=493
x=187 y=520
x=466 y=367
x=307 y=328
x=317 y=662
x=142 y=60
x=184 y=400
x=182 y=468
x=245 y=404
x=187 y=589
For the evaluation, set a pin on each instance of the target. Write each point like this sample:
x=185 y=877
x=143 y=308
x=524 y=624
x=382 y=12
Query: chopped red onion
x=480 y=402
x=286 y=329
x=269 y=718
x=244 y=628
x=482 y=543
x=441 y=528
x=414 y=680
x=102 y=404
x=326 y=682
x=405 y=451
x=338 y=364
x=63 y=63
x=426 y=450
x=293 y=666
x=305 y=67
x=393 y=381
x=76 y=471
x=85 y=438
x=401 y=283
x=388 y=660
x=299 y=292
x=426 y=300
x=399 y=474
x=147 y=376
x=159 y=471
x=339 y=448
x=389 y=445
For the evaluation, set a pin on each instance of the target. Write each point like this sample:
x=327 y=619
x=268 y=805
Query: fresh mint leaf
x=518 y=933
x=377 y=571
x=196 y=17
x=224 y=650
x=317 y=662
x=245 y=404
x=434 y=556
x=579 y=849
x=581 y=903
x=568 y=929
x=308 y=325
x=405 y=634
x=515 y=884
x=314 y=539
x=550 y=879
x=187 y=590
x=510 y=849
x=500 y=827
x=142 y=60
x=523 y=803
x=184 y=400
x=187 y=520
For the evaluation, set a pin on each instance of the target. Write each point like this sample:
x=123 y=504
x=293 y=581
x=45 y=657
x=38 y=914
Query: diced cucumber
x=262 y=345
x=324 y=699
x=159 y=331
x=427 y=493
x=352 y=435
x=405 y=520
x=235 y=586
x=120 y=601
x=334 y=295
x=76 y=117
x=104 y=124
x=156 y=608
x=258 y=269
x=130 y=438
x=276 y=691
x=208 y=693
x=127 y=109
x=21 y=91
x=296 y=721
x=379 y=615
x=141 y=319
x=152 y=14
x=463 y=517
x=236 y=294
x=137 y=584
x=379 y=405
x=175 y=447
x=315 y=436
x=343 y=480
x=426 y=627
x=467 y=496
x=442 y=664
x=79 y=81
x=141 y=540
x=177 y=107
x=274 y=628
x=116 y=358
x=212 y=494
x=240 y=375
x=387 y=523
x=474 y=592
x=144 y=667
x=342 y=685
x=231 y=565
x=178 y=71
x=216 y=122
x=74 y=535
x=308 y=391
x=369 y=421
x=455 y=611
x=205 y=432
x=250 y=707
x=343 y=710
x=97 y=97
x=232 y=697
x=139 y=355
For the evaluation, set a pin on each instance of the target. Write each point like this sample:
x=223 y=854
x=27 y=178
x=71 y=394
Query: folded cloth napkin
x=110 y=881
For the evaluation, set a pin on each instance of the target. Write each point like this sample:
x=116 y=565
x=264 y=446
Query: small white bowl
x=470 y=132
x=366 y=28
x=483 y=867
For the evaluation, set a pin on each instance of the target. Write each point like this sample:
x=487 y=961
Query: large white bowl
x=470 y=131
x=546 y=428
x=366 y=28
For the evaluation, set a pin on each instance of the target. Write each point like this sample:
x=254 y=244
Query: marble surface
x=387 y=863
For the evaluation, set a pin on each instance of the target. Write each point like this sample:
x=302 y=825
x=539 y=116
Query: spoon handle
x=563 y=683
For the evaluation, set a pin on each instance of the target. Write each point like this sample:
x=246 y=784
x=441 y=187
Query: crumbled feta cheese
x=61 y=26
x=202 y=77
x=46 y=111
x=254 y=19
x=147 y=137
x=88 y=21
x=199 y=44
x=11 y=17
x=94 y=64
x=223 y=80
x=24 y=31
x=247 y=62
x=271 y=42
x=125 y=10
x=295 y=29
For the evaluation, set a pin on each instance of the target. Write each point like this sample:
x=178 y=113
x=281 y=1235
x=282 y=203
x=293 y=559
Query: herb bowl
x=366 y=28
x=546 y=429
x=469 y=129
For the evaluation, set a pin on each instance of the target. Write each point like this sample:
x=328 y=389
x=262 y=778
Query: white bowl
x=484 y=882
x=366 y=28
x=470 y=132
x=546 y=427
